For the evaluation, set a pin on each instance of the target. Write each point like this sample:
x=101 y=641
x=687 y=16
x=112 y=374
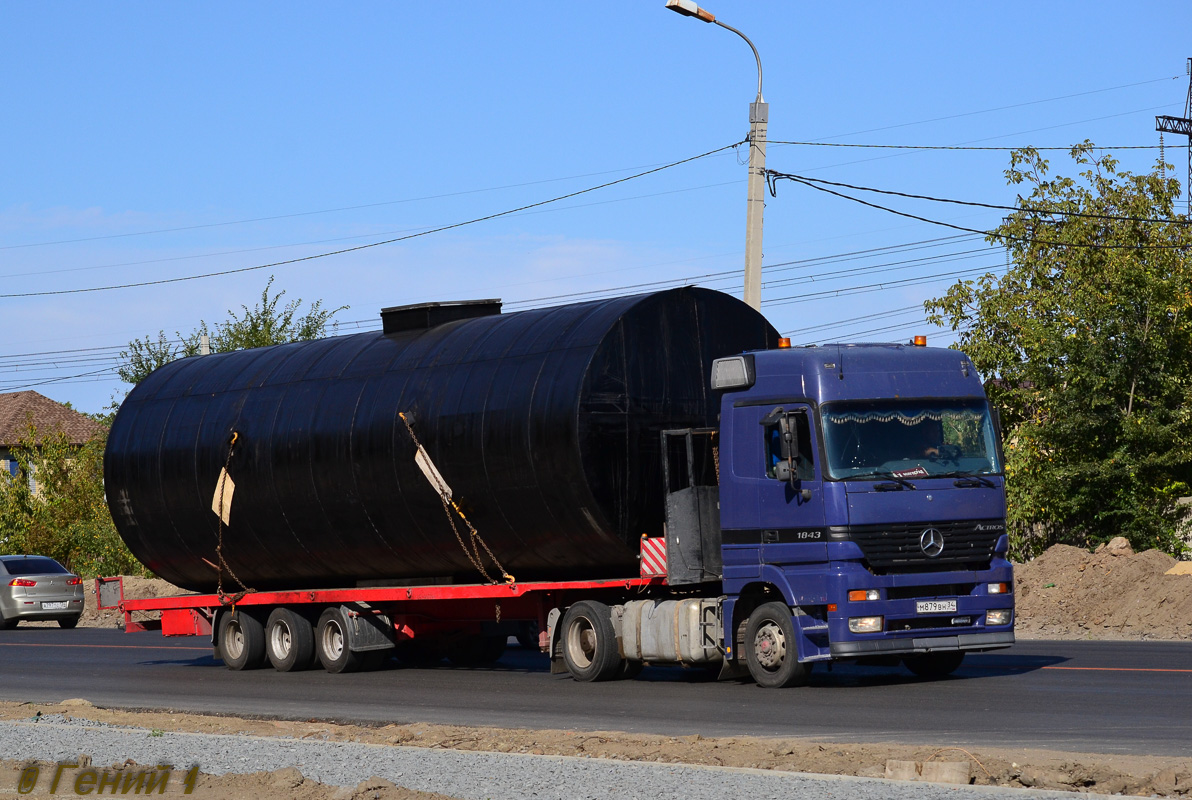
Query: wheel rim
x=281 y=639
x=770 y=646
x=234 y=640
x=581 y=642
x=333 y=640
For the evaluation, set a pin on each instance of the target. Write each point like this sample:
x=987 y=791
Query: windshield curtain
x=919 y=438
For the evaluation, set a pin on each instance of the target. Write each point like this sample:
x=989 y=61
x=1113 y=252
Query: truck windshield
x=909 y=439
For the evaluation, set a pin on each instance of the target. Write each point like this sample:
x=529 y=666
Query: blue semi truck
x=671 y=481
x=862 y=510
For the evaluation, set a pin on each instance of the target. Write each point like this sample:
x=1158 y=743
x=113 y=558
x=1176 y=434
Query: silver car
x=38 y=589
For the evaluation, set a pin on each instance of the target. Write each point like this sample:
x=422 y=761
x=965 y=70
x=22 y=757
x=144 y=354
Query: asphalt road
x=1109 y=697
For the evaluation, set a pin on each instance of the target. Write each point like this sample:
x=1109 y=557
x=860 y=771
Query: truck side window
x=804 y=463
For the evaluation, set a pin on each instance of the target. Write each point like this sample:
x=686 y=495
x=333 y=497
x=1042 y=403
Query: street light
x=759 y=113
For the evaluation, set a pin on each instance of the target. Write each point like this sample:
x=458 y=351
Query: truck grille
x=897 y=548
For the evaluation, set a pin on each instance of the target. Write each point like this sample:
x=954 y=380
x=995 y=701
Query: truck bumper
x=926 y=644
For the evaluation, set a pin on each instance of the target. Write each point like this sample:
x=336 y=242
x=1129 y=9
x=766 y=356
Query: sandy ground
x=1103 y=774
x=1066 y=593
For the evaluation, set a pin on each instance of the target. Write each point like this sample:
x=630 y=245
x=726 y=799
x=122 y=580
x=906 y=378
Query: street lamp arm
x=757 y=57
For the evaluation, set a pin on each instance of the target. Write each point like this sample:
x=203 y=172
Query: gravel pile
x=470 y=775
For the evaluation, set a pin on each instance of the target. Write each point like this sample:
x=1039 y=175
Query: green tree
x=1088 y=341
x=266 y=323
x=61 y=512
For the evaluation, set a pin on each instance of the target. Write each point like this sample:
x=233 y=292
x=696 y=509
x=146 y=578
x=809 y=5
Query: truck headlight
x=998 y=616
x=865 y=624
x=864 y=594
x=998 y=588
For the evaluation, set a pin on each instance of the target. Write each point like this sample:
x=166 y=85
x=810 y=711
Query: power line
x=439 y=229
x=1004 y=108
x=957 y=146
x=320 y=211
x=1079 y=214
x=991 y=234
x=872 y=287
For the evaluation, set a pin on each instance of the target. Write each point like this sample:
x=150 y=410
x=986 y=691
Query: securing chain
x=224 y=598
x=475 y=540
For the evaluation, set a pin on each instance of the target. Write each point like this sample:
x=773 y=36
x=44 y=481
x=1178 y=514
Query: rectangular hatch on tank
x=422 y=316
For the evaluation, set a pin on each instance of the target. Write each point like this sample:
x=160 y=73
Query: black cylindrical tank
x=545 y=423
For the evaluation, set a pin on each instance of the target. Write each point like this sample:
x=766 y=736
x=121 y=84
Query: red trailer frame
x=407 y=615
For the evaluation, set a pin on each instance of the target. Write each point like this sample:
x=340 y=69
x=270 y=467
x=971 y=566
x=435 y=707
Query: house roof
x=17 y=408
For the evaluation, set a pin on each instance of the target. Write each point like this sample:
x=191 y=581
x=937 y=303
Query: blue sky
x=150 y=141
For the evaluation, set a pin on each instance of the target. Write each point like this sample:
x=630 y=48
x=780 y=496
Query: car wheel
x=771 y=650
x=935 y=665
x=331 y=643
x=68 y=623
x=7 y=623
x=590 y=643
x=289 y=641
x=241 y=640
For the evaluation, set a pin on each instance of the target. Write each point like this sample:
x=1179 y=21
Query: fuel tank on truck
x=544 y=423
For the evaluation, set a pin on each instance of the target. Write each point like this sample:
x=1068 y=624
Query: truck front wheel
x=590 y=643
x=771 y=650
x=935 y=665
x=241 y=640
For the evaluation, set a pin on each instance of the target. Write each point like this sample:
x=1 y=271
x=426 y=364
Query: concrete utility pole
x=759 y=113
x=1181 y=125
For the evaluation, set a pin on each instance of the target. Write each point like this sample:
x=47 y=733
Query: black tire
x=935 y=665
x=241 y=640
x=68 y=623
x=771 y=650
x=331 y=643
x=590 y=643
x=6 y=623
x=478 y=651
x=289 y=641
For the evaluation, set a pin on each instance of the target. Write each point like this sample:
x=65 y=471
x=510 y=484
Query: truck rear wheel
x=241 y=640
x=289 y=641
x=590 y=643
x=771 y=650
x=331 y=643
x=935 y=665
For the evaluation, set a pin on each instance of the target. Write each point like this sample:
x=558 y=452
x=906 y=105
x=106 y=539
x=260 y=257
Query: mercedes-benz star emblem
x=931 y=541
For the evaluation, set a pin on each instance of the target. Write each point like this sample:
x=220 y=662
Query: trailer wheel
x=935 y=665
x=289 y=641
x=771 y=650
x=331 y=643
x=590 y=643
x=241 y=640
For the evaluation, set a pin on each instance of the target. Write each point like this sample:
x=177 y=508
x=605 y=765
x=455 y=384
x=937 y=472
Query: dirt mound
x=1113 y=593
x=135 y=588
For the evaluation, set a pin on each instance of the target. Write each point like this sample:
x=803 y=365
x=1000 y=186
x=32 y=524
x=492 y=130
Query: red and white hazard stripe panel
x=653 y=557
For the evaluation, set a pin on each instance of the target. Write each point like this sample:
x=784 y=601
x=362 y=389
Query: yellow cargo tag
x=224 y=489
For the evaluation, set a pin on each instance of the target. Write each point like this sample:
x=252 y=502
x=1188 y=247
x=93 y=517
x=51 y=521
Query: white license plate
x=53 y=606
x=935 y=606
